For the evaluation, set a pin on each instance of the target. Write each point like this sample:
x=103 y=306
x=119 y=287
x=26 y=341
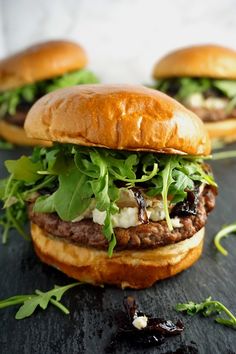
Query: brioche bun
x=117 y=117
x=212 y=61
x=17 y=136
x=40 y=62
x=223 y=131
x=133 y=269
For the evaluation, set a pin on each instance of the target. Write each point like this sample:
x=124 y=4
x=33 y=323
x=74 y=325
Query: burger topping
x=12 y=100
x=143 y=236
x=134 y=209
x=74 y=180
x=211 y=99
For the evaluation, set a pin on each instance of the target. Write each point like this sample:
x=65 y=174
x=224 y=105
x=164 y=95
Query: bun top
x=211 y=61
x=40 y=62
x=117 y=117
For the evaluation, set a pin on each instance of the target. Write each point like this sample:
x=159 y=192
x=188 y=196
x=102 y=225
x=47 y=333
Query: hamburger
x=30 y=74
x=203 y=78
x=122 y=195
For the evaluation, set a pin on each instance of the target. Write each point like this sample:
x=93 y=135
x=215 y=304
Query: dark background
x=95 y=312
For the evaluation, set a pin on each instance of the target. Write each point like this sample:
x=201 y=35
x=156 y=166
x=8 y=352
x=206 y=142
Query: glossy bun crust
x=133 y=269
x=117 y=117
x=40 y=62
x=211 y=61
x=17 y=136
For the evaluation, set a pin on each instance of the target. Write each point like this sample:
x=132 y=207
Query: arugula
x=11 y=99
x=223 y=155
x=5 y=145
x=74 y=178
x=183 y=87
x=224 y=232
x=208 y=308
x=80 y=77
x=29 y=303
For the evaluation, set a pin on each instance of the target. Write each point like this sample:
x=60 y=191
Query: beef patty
x=18 y=118
x=212 y=115
x=145 y=236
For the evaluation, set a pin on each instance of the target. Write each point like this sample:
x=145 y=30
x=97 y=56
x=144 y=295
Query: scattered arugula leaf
x=208 y=308
x=29 y=303
x=224 y=232
x=72 y=177
x=223 y=155
x=5 y=145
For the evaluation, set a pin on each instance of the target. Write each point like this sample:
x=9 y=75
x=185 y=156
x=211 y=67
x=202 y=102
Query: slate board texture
x=94 y=312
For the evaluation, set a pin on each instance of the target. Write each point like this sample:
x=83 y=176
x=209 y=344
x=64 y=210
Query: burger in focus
x=203 y=78
x=30 y=74
x=123 y=194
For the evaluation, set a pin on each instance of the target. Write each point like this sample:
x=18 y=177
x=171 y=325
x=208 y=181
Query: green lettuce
x=72 y=177
x=182 y=88
x=11 y=99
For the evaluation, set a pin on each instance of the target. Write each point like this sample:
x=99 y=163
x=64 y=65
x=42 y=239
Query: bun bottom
x=17 y=136
x=133 y=269
x=222 y=131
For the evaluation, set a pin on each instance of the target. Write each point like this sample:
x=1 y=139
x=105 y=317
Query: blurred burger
x=122 y=196
x=203 y=78
x=30 y=74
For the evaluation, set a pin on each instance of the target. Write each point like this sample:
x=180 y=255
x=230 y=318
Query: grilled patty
x=212 y=115
x=145 y=236
x=18 y=118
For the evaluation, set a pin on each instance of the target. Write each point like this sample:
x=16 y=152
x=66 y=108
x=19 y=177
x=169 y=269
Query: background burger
x=203 y=78
x=30 y=74
x=122 y=196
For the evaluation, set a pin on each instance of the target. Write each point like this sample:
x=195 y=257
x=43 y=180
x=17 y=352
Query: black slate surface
x=95 y=312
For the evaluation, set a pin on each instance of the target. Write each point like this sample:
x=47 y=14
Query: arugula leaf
x=224 y=232
x=189 y=86
x=167 y=181
x=45 y=204
x=223 y=155
x=11 y=99
x=83 y=76
x=181 y=88
x=228 y=87
x=24 y=169
x=73 y=196
x=41 y=299
x=208 y=308
x=5 y=145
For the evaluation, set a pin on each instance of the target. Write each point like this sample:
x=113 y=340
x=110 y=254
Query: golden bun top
x=39 y=62
x=211 y=61
x=117 y=117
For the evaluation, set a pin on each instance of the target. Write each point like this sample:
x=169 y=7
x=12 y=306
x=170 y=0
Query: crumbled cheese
x=155 y=209
x=99 y=216
x=197 y=100
x=140 y=322
x=127 y=217
x=155 y=214
x=176 y=222
x=215 y=103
